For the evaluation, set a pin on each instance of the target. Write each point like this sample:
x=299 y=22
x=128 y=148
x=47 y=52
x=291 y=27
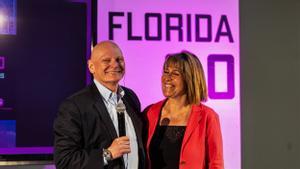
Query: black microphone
x=121 y=118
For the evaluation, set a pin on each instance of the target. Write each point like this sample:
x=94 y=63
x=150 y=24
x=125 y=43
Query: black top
x=165 y=147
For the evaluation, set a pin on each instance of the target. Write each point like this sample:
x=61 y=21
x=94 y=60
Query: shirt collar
x=106 y=93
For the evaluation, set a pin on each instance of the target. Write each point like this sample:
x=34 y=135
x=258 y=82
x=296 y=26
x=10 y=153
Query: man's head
x=107 y=64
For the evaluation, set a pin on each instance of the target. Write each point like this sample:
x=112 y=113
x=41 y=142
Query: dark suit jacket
x=83 y=128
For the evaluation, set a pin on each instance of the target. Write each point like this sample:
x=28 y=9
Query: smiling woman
x=182 y=130
x=172 y=81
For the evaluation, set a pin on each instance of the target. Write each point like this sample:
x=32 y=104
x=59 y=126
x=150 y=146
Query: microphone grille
x=120 y=107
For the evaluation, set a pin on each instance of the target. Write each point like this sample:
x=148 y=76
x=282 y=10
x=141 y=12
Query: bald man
x=86 y=128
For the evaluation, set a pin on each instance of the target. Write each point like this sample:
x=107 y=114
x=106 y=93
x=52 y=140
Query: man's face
x=107 y=65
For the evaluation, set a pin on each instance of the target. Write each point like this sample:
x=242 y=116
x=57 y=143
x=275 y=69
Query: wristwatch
x=107 y=155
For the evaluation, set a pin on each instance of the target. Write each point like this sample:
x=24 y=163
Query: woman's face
x=172 y=82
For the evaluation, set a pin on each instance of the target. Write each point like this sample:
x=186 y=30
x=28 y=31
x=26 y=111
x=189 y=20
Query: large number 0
x=229 y=60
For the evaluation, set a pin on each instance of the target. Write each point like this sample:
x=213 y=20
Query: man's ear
x=91 y=66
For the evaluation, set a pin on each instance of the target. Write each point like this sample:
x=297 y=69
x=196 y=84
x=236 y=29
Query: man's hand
x=119 y=147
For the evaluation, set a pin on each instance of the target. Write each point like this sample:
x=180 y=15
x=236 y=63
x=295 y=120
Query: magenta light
x=26 y=150
x=2 y=62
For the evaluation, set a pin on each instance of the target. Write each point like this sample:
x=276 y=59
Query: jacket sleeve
x=69 y=152
x=214 y=145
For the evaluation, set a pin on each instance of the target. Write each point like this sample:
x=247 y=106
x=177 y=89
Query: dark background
x=45 y=62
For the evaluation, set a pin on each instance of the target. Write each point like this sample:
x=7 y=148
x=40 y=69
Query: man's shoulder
x=127 y=90
x=82 y=95
x=207 y=111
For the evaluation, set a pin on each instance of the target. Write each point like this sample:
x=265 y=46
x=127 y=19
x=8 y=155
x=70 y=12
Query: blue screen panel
x=8 y=24
x=7 y=133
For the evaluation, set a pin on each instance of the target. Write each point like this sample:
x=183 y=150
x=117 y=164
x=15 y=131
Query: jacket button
x=182 y=162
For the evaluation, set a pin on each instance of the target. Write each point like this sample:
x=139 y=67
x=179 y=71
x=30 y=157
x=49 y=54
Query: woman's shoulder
x=154 y=105
x=207 y=111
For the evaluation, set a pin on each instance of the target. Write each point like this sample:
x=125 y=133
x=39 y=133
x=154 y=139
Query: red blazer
x=202 y=142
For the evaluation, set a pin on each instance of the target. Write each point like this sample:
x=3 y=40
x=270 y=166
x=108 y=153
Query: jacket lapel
x=153 y=117
x=106 y=118
x=135 y=120
x=193 y=122
x=103 y=113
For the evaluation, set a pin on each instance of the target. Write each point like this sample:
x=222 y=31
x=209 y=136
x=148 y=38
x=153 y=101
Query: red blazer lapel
x=153 y=117
x=193 y=122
